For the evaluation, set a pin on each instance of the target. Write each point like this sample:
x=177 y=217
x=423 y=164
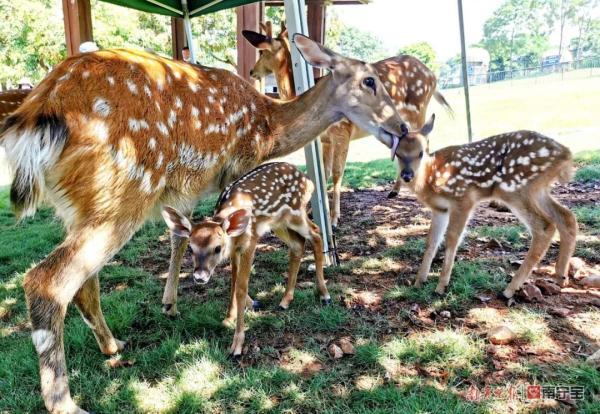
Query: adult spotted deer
x=517 y=169
x=408 y=81
x=110 y=137
x=271 y=197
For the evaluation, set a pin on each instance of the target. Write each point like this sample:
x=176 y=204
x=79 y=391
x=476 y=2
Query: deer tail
x=32 y=148
x=442 y=101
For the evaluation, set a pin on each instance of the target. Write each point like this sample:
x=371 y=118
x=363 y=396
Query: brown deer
x=110 y=137
x=516 y=168
x=271 y=197
x=408 y=81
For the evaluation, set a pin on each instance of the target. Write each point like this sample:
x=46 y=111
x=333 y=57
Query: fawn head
x=210 y=240
x=274 y=51
x=411 y=149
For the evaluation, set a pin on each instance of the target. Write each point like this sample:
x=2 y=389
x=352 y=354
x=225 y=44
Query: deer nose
x=201 y=277
x=407 y=175
x=251 y=73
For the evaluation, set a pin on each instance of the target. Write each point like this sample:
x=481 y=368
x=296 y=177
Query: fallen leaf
x=335 y=351
x=530 y=293
x=591 y=281
x=548 y=286
x=347 y=347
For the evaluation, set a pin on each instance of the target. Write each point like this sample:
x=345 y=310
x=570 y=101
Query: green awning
x=175 y=9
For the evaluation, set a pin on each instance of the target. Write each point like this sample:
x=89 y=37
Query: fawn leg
x=439 y=223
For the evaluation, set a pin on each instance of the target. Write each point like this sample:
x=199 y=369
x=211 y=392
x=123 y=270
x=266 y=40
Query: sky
x=401 y=22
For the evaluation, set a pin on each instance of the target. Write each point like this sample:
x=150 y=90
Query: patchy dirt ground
x=375 y=228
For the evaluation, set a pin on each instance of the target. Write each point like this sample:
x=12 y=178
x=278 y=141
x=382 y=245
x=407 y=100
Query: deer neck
x=421 y=183
x=300 y=120
x=285 y=82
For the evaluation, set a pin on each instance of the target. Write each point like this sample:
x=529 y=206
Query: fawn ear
x=236 y=223
x=314 y=53
x=428 y=127
x=177 y=222
x=258 y=40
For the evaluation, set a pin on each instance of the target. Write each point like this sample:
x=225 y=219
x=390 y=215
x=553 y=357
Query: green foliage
x=352 y=41
x=424 y=52
x=518 y=33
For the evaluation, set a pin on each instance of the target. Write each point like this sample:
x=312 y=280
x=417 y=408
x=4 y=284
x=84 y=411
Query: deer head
x=411 y=149
x=210 y=240
x=356 y=92
x=274 y=51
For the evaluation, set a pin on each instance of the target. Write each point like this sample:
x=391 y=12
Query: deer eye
x=420 y=154
x=369 y=82
x=217 y=249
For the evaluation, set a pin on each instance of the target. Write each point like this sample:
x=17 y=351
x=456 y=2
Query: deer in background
x=110 y=137
x=408 y=81
x=516 y=168
x=271 y=197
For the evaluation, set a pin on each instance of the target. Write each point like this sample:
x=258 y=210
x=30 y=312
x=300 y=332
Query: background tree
x=424 y=52
x=518 y=28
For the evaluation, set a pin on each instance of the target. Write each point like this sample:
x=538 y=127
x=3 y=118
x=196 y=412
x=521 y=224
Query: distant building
x=478 y=67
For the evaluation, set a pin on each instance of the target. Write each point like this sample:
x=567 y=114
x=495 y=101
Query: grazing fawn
x=407 y=80
x=110 y=137
x=517 y=168
x=271 y=197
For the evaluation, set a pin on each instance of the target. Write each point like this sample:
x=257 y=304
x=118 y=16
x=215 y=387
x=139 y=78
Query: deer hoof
x=392 y=194
x=326 y=302
x=256 y=305
x=170 y=310
x=280 y=308
x=440 y=292
x=235 y=358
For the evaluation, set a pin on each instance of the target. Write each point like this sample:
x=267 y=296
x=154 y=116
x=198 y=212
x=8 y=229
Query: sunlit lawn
x=181 y=365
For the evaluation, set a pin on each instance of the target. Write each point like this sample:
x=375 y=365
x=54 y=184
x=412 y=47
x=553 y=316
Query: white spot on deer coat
x=132 y=86
x=43 y=340
x=101 y=107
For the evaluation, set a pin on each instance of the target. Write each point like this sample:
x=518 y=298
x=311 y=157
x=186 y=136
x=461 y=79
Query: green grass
x=181 y=365
x=589 y=166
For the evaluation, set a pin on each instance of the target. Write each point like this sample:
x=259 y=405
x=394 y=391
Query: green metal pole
x=465 y=75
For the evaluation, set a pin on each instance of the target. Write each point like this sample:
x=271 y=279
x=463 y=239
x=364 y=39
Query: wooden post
x=177 y=37
x=78 y=24
x=248 y=18
x=316 y=17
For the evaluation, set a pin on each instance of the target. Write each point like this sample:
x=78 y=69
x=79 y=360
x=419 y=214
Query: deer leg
x=439 y=223
x=232 y=308
x=341 y=144
x=317 y=244
x=169 y=300
x=567 y=227
x=327 y=148
x=50 y=286
x=457 y=221
x=241 y=291
x=542 y=229
x=87 y=300
x=295 y=243
x=396 y=189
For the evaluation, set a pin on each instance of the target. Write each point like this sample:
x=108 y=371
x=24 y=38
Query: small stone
x=591 y=281
x=548 y=286
x=594 y=358
x=347 y=347
x=335 y=351
x=530 y=293
x=501 y=335
x=562 y=312
x=445 y=314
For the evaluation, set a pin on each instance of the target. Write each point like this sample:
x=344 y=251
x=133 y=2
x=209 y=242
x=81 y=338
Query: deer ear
x=314 y=53
x=258 y=40
x=236 y=223
x=177 y=222
x=428 y=127
x=283 y=32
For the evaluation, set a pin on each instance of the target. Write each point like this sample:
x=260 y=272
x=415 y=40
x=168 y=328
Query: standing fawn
x=408 y=81
x=517 y=168
x=110 y=137
x=271 y=197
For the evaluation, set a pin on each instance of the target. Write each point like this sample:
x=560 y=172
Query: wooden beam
x=78 y=24
x=248 y=18
x=177 y=38
x=316 y=14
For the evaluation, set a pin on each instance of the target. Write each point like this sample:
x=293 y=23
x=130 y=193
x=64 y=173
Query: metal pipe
x=465 y=75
